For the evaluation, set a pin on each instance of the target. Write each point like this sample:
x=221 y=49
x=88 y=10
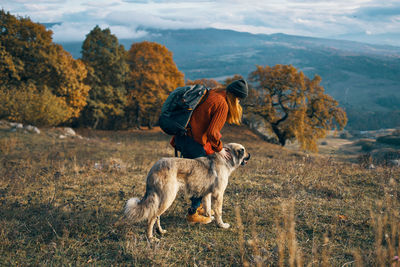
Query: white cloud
x=323 y=18
x=71 y=31
x=124 y=32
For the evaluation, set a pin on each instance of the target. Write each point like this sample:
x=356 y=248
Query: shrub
x=389 y=139
x=346 y=135
x=385 y=155
x=366 y=145
x=396 y=132
x=31 y=106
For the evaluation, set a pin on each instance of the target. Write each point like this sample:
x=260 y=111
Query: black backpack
x=179 y=106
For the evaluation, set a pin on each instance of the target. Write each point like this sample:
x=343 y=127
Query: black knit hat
x=238 y=88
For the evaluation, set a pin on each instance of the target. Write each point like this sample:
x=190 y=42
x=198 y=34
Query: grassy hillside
x=62 y=199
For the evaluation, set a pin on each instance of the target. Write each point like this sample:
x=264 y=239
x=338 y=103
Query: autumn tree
x=152 y=76
x=210 y=83
x=33 y=68
x=106 y=61
x=295 y=106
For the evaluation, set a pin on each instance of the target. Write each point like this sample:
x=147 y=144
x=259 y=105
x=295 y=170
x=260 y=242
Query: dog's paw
x=162 y=231
x=224 y=225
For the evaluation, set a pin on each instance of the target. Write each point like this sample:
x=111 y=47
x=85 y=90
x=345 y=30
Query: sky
x=373 y=21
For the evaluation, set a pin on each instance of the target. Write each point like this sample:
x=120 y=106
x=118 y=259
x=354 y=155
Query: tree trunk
x=281 y=135
x=95 y=123
x=282 y=140
x=138 y=117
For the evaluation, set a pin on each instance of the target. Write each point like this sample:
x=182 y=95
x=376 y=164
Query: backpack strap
x=204 y=97
x=202 y=100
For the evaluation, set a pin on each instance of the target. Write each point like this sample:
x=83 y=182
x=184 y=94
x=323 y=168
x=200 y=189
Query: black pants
x=190 y=149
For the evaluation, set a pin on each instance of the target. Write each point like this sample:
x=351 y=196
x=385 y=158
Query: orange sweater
x=207 y=121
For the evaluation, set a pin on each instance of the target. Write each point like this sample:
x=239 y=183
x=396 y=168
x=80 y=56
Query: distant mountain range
x=360 y=76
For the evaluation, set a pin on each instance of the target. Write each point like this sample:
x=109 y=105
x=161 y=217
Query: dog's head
x=239 y=154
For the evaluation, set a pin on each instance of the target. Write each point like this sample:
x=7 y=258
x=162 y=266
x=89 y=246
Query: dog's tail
x=138 y=210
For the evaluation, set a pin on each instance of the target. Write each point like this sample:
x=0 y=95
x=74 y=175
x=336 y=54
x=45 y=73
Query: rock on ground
x=69 y=132
x=32 y=129
x=16 y=125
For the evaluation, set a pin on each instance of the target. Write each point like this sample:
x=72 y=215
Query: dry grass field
x=62 y=201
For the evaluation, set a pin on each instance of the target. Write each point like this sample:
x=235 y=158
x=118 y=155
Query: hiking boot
x=197 y=218
x=202 y=211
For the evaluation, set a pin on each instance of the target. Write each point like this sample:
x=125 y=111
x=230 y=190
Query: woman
x=204 y=138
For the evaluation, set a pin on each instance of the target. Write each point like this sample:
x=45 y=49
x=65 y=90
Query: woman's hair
x=235 y=110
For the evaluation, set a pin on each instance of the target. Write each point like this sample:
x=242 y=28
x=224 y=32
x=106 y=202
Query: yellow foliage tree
x=153 y=75
x=294 y=106
x=210 y=83
x=31 y=65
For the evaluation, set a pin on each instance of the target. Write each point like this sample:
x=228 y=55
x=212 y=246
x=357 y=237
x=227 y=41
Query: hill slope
x=62 y=205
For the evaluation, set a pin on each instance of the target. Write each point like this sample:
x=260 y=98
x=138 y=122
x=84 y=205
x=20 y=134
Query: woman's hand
x=225 y=154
